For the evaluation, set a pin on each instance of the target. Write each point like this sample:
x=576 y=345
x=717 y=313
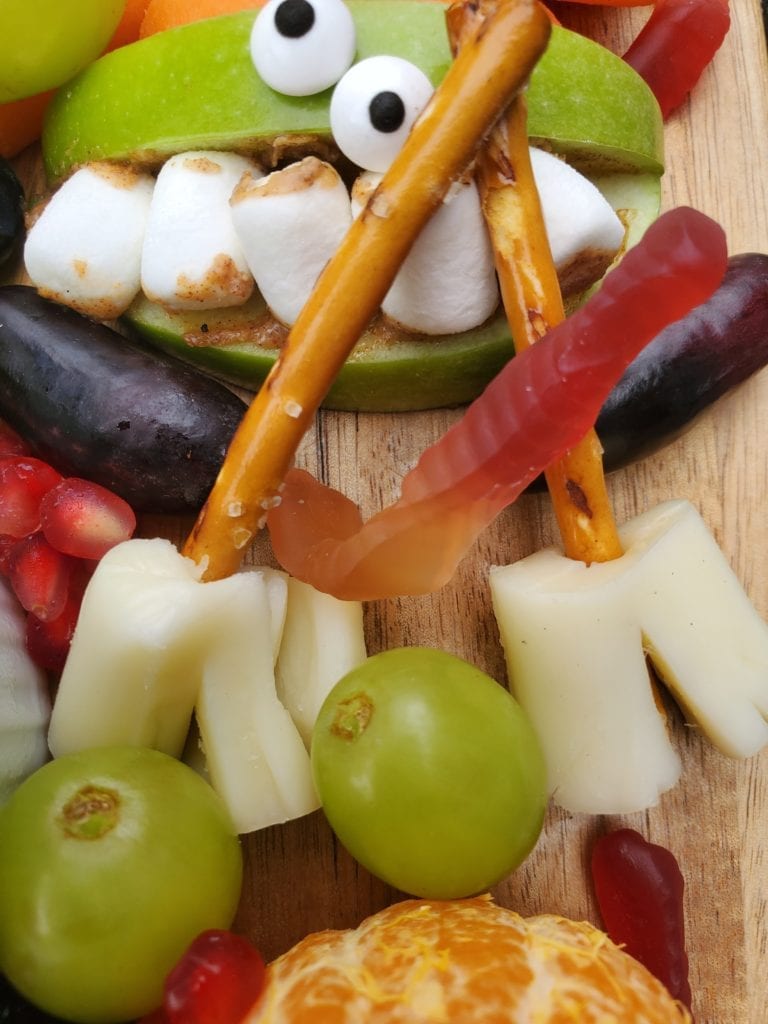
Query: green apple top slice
x=591 y=106
x=195 y=87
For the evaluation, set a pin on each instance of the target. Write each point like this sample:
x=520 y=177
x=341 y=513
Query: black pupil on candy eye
x=386 y=111
x=294 y=18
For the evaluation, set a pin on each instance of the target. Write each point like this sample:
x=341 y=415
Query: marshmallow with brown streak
x=192 y=258
x=289 y=225
x=84 y=249
x=447 y=283
x=584 y=230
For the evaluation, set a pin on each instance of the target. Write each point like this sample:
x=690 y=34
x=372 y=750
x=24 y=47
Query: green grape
x=111 y=862
x=429 y=773
x=43 y=43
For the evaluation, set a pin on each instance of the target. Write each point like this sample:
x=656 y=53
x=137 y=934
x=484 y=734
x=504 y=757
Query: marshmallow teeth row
x=213 y=224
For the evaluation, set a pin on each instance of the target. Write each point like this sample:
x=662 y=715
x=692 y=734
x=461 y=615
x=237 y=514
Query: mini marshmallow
x=84 y=249
x=192 y=258
x=289 y=225
x=447 y=283
x=583 y=229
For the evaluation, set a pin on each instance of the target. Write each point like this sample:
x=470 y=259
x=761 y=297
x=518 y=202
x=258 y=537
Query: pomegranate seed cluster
x=53 y=531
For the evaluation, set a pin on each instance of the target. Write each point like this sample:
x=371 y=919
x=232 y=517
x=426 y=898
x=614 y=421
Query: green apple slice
x=636 y=198
x=592 y=107
x=387 y=371
x=195 y=87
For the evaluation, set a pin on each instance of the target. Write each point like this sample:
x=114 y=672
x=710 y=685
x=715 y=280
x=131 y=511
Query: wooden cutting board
x=298 y=879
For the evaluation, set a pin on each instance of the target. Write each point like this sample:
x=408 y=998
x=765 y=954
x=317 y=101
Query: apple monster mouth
x=213 y=226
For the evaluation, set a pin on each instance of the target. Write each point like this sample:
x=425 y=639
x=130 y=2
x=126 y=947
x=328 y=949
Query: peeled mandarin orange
x=466 y=962
x=164 y=14
x=21 y=122
x=128 y=27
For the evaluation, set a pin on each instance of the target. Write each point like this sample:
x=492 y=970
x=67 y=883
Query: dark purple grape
x=689 y=365
x=11 y=211
x=99 y=407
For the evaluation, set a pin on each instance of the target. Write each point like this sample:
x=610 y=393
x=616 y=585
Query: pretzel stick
x=493 y=65
x=533 y=304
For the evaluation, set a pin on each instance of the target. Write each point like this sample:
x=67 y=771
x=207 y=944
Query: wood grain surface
x=298 y=879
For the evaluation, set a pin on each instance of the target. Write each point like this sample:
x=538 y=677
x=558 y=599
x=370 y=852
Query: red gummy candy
x=676 y=44
x=639 y=889
x=540 y=404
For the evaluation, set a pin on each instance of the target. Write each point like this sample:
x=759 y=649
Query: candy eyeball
x=373 y=108
x=300 y=47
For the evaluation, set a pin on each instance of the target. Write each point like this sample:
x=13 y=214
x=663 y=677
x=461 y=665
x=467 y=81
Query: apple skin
x=592 y=107
x=194 y=87
x=45 y=44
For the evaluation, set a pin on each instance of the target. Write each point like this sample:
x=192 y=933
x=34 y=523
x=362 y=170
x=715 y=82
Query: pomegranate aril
x=217 y=981
x=48 y=642
x=10 y=442
x=7 y=544
x=82 y=570
x=39 y=575
x=24 y=482
x=83 y=519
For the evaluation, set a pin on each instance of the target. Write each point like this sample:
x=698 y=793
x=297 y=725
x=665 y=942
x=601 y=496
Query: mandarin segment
x=431 y=962
x=161 y=15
